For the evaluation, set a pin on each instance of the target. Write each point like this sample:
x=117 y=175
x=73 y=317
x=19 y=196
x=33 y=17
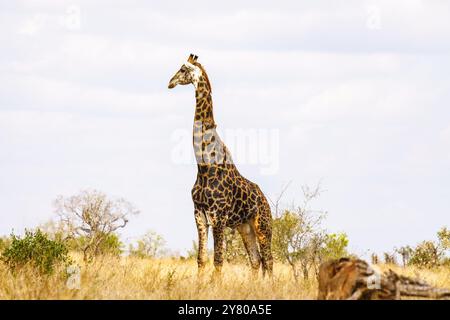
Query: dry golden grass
x=439 y=277
x=135 y=278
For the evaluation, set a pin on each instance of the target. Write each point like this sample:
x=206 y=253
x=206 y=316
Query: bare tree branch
x=94 y=215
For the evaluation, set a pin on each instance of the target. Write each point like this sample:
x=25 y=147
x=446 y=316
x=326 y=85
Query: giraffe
x=222 y=196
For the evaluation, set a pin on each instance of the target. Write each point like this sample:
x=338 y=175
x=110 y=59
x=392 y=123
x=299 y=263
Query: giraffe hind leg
x=263 y=229
x=248 y=235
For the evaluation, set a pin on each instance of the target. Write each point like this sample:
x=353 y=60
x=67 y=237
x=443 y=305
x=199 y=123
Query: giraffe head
x=189 y=72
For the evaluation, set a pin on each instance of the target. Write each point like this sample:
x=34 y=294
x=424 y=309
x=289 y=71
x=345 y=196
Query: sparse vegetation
x=299 y=238
x=389 y=258
x=85 y=236
x=150 y=245
x=431 y=254
x=109 y=277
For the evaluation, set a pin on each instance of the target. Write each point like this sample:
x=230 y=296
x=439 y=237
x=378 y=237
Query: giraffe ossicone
x=222 y=196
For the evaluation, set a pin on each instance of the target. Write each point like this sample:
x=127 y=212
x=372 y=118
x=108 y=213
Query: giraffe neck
x=204 y=106
x=208 y=148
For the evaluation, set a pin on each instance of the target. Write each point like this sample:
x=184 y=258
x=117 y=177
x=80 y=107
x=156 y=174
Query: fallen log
x=355 y=279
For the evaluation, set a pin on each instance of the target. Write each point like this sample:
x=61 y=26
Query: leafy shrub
x=335 y=246
x=299 y=240
x=37 y=250
x=429 y=254
x=426 y=255
x=111 y=245
x=106 y=244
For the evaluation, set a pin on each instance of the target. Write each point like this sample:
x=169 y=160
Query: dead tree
x=93 y=216
x=355 y=279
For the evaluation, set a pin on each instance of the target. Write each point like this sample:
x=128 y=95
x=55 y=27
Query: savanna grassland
x=75 y=258
x=145 y=278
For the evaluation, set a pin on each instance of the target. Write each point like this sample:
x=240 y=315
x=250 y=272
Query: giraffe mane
x=204 y=73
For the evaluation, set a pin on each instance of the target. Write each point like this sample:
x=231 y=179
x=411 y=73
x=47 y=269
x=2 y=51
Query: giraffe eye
x=183 y=70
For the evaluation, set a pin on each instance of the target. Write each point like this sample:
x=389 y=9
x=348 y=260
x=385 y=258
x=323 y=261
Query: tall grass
x=138 y=278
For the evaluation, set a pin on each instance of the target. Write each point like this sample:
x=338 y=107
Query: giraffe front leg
x=202 y=229
x=219 y=247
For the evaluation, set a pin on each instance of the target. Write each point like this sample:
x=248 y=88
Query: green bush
x=335 y=246
x=37 y=250
x=299 y=239
x=426 y=255
x=430 y=254
x=102 y=244
x=112 y=245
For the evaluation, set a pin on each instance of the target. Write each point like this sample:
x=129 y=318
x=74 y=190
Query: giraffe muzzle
x=172 y=83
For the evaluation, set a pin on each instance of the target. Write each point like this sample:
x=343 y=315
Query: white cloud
x=363 y=109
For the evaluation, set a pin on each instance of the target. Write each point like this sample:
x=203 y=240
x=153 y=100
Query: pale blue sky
x=358 y=92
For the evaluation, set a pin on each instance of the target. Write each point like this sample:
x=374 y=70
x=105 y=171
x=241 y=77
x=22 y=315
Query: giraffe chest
x=223 y=198
x=212 y=193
